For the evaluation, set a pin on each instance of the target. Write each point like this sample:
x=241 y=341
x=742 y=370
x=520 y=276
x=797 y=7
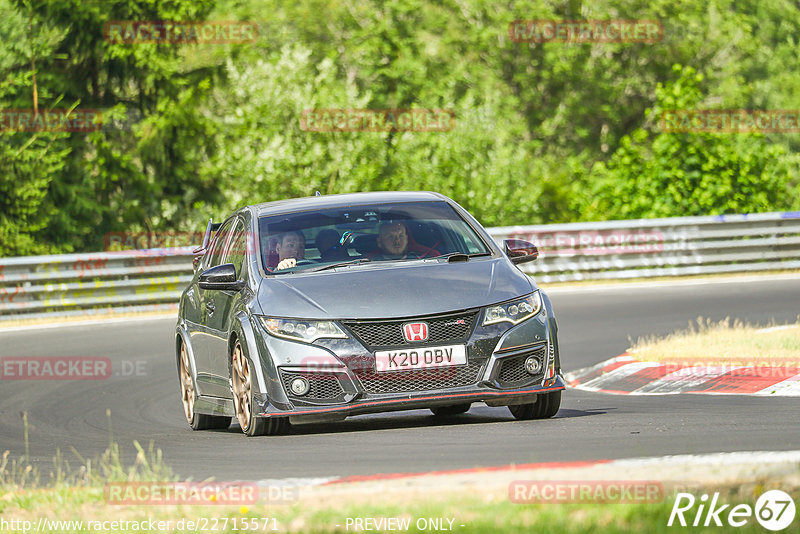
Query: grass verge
x=725 y=342
x=83 y=509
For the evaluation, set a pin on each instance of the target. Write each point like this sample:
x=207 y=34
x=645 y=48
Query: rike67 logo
x=774 y=510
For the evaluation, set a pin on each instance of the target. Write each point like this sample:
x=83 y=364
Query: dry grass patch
x=725 y=343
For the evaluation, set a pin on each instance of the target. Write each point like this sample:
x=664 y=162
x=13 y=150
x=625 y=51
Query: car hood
x=393 y=290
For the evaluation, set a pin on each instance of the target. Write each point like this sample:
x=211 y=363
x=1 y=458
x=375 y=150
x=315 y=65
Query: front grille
x=512 y=369
x=451 y=328
x=420 y=380
x=324 y=387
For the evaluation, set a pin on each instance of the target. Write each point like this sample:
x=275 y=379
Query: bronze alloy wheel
x=246 y=413
x=187 y=385
x=197 y=421
x=240 y=373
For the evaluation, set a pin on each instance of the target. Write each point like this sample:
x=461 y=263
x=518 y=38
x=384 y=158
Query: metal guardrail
x=676 y=246
x=137 y=280
x=86 y=284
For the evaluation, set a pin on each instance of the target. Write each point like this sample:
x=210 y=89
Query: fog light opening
x=532 y=365
x=300 y=386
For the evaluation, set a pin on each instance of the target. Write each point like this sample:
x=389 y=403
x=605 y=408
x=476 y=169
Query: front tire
x=197 y=421
x=241 y=379
x=545 y=407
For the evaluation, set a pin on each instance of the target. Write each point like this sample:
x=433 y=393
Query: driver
x=290 y=247
x=393 y=241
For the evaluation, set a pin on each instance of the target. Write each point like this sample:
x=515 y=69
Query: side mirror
x=198 y=257
x=221 y=278
x=519 y=251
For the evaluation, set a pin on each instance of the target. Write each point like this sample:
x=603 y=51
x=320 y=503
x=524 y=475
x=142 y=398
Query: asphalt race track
x=595 y=324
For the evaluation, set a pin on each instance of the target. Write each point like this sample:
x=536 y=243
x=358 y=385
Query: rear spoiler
x=211 y=227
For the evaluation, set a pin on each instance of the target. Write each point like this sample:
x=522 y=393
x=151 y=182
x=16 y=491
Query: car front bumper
x=348 y=384
x=427 y=399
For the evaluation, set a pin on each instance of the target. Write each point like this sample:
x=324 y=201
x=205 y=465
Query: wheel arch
x=242 y=330
x=553 y=326
x=182 y=339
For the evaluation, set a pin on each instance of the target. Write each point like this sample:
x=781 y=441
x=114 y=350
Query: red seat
x=271 y=254
x=422 y=250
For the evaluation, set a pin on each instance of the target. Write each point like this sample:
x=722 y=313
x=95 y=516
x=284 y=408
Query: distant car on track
x=390 y=301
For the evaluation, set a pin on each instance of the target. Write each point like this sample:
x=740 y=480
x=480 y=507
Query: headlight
x=514 y=312
x=308 y=331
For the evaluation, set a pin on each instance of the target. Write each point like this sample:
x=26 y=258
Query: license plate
x=420 y=358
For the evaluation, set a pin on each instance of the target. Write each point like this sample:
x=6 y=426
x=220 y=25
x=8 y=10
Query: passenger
x=329 y=247
x=290 y=247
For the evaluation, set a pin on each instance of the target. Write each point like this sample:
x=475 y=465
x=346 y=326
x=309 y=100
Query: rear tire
x=197 y=421
x=241 y=378
x=451 y=410
x=545 y=407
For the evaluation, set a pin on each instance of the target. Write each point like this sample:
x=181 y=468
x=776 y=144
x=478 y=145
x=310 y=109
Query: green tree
x=123 y=177
x=663 y=174
x=29 y=161
x=545 y=132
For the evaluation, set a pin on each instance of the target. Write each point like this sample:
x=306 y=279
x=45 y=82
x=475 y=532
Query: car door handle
x=210 y=307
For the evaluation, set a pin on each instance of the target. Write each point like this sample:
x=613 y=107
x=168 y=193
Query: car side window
x=472 y=246
x=214 y=254
x=236 y=251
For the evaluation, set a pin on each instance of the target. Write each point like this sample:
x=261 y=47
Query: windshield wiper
x=460 y=256
x=340 y=264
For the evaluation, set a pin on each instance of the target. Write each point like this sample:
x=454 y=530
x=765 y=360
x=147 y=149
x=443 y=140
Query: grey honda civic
x=314 y=309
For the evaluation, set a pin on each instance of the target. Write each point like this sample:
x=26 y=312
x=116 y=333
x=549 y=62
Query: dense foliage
x=544 y=132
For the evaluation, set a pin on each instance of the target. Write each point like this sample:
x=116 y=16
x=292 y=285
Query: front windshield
x=402 y=231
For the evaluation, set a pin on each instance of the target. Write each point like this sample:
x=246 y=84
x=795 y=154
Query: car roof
x=350 y=199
